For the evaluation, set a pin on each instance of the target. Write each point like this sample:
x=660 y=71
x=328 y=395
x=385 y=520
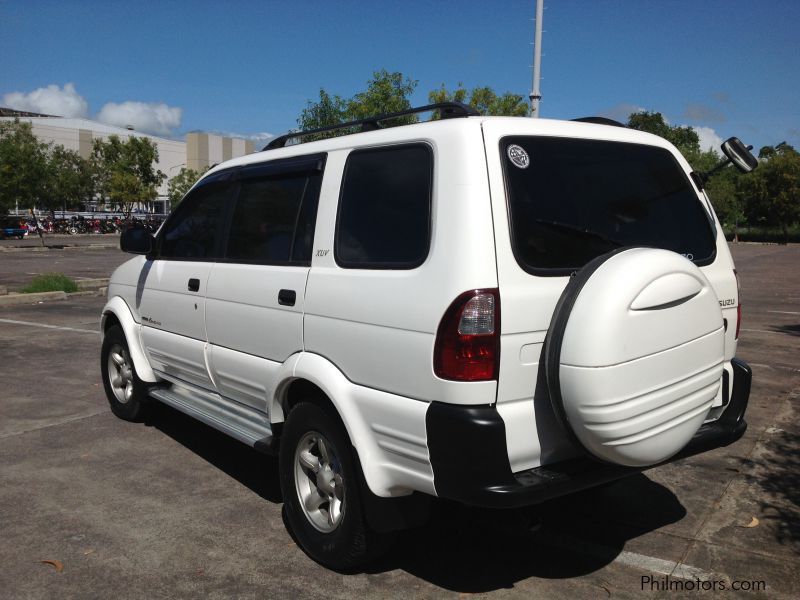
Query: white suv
x=497 y=311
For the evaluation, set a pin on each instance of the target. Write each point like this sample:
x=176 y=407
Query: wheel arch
x=314 y=377
x=117 y=312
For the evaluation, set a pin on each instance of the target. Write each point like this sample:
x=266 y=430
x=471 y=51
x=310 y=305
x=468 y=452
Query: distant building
x=206 y=149
x=200 y=150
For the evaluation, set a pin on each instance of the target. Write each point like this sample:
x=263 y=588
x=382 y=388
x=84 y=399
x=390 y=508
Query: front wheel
x=126 y=393
x=322 y=502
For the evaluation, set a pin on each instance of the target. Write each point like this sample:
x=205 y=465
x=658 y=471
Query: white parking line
x=665 y=567
x=655 y=565
x=765 y=331
x=783 y=312
x=785 y=367
x=43 y=325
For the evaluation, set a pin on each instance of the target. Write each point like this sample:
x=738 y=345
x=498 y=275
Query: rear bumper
x=479 y=474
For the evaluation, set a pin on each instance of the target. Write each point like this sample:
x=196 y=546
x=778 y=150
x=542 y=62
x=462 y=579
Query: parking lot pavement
x=75 y=256
x=171 y=508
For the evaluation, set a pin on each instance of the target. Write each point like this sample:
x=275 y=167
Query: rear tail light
x=738 y=304
x=467 y=344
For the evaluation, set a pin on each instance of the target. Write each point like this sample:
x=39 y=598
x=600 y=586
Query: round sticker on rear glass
x=518 y=156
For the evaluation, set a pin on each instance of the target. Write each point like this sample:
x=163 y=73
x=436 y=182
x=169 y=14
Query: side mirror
x=739 y=155
x=136 y=241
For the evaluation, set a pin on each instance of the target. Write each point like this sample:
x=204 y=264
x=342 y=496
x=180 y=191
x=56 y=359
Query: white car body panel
x=386 y=331
x=250 y=334
x=173 y=319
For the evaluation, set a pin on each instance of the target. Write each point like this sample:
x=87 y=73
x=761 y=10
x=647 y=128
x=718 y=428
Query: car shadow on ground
x=465 y=549
x=472 y=551
x=257 y=471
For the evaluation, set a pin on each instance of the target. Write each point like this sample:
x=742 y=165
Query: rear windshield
x=571 y=200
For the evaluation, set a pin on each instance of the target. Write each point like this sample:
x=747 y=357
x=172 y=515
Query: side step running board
x=236 y=420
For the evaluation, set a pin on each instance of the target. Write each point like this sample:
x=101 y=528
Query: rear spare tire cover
x=634 y=355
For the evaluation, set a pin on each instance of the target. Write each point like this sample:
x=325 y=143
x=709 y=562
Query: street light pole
x=536 y=94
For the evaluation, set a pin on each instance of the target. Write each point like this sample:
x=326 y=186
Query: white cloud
x=259 y=139
x=709 y=140
x=155 y=118
x=50 y=100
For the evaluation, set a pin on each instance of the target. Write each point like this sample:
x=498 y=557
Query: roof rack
x=600 y=121
x=447 y=110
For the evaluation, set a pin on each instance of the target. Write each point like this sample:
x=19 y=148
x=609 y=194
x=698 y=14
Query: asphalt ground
x=79 y=256
x=174 y=509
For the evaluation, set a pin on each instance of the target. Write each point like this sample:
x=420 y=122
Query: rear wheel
x=126 y=393
x=322 y=500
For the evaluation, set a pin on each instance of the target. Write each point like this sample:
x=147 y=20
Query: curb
x=91 y=284
x=14 y=299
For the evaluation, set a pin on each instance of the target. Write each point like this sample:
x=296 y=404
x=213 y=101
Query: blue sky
x=726 y=67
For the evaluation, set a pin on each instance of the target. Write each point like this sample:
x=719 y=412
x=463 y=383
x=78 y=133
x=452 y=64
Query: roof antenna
x=536 y=94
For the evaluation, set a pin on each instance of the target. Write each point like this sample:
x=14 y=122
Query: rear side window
x=275 y=214
x=571 y=200
x=385 y=208
x=195 y=230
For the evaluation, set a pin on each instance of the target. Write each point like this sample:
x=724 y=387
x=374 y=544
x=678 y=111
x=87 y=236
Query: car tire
x=322 y=500
x=126 y=393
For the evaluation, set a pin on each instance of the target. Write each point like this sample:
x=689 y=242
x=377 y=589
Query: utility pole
x=536 y=93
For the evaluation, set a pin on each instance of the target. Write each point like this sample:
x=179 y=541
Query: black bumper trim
x=469 y=456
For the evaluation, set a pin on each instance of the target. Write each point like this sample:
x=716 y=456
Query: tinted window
x=274 y=219
x=578 y=199
x=196 y=229
x=384 y=209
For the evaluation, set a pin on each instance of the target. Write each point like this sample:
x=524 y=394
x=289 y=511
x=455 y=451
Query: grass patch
x=50 y=282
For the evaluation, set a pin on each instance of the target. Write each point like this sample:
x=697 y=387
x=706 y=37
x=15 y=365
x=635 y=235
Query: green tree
x=328 y=110
x=71 y=180
x=771 y=193
x=484 y=99
x=125 y=172
x=684 y=138
x=444 y=95
x=38 y=175
x=24 y=173
x=178 y=186
x=386 y=92
x=728 y=204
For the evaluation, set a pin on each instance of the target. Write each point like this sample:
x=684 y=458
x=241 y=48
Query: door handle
x=287 y=297
x=194 y=285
